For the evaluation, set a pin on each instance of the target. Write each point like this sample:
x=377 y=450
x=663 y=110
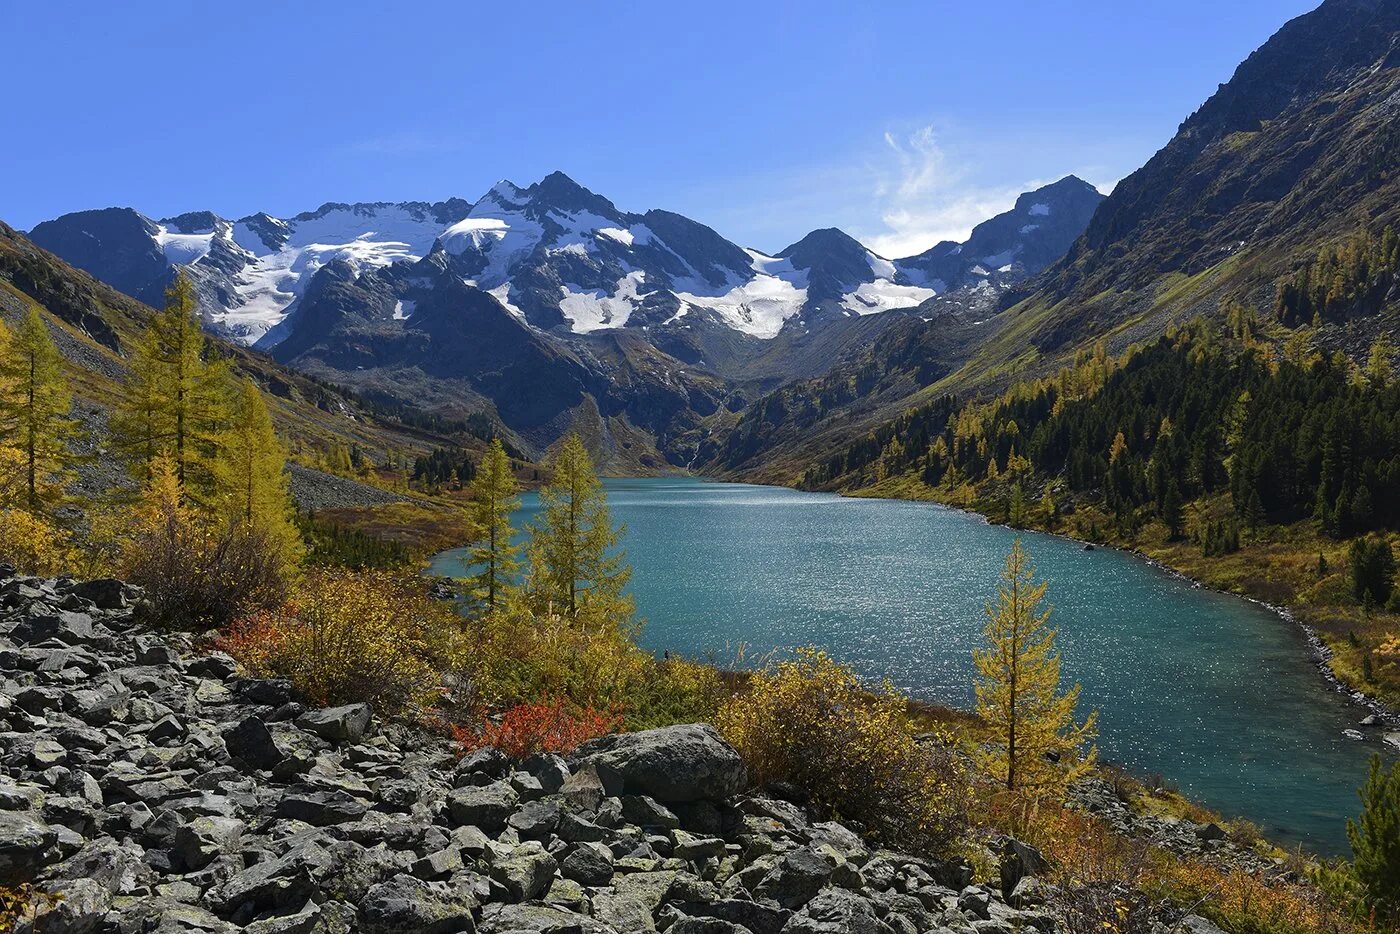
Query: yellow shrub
x=31 y=544
x=813 y=723
x=346 y=637
x=520 y=657
x=1242 y=903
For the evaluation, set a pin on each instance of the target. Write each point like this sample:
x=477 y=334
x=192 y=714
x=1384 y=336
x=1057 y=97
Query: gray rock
x=796 y=878
x=338 y=724
x=671 y=764
x=321 y=808
x=24 y=842
x=405 y=903
x=252 y=743
x=438 y=865
x=536 y=820
x=198 y=842
x=525 y=872
x=487 y=807
x=836 y=911
x=539 y=919
x=588 y=863
x=105 y=593
x=1017 y=861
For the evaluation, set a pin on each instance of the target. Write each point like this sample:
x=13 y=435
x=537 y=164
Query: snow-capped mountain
x=560 y=257
x=548 y=307
x=250 y=272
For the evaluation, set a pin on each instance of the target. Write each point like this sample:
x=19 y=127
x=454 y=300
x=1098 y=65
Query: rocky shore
x=145 y=785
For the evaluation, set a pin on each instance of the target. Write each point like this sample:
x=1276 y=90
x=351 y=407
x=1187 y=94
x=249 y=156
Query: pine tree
x=34 y=406
x=1172 y=512
x=492 y=550
x=575 y=567
x=1018 y=690
x=254 y=488
x=176 y=401
x=1375 y=840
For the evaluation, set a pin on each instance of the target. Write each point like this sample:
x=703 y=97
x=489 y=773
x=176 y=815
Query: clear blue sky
x=899 y=122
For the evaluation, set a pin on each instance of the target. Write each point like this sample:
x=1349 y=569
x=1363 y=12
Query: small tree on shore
x=1018 y=690
x=576 y=568
x=492 y=551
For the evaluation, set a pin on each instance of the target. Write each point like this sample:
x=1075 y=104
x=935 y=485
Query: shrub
x=195 y=574
x=547 y=726
x=346 y=637
x=32 y=544
x=196 y=578
x=520 y=657
x=811 y=722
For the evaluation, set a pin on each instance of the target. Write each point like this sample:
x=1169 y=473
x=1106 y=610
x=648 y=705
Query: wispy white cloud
x=925 y=192
x=922 y=195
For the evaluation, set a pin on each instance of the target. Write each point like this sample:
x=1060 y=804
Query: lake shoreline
x=1387 y=717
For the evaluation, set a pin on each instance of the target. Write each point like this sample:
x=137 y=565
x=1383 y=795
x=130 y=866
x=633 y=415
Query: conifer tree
x=34 y=406
x=254 y=489
x=177 y=400
x=1018 y=689
x=492 y=550
x=575 y=567
x=1375 y=840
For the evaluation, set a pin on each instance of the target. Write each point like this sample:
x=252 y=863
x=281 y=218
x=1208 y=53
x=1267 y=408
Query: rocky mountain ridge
x=555 y=254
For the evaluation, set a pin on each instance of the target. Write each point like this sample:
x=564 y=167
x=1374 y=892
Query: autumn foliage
x=346 y=637
x=547 y=726
x=811 y=722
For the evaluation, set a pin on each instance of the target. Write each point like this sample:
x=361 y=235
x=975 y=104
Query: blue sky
x=902 y=123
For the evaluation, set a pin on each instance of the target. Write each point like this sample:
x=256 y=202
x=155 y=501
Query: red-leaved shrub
x=547 y=726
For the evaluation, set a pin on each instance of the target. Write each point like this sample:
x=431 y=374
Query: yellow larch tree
x=1038 y=747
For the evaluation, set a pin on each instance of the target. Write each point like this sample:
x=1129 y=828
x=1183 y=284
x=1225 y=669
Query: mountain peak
x=561 y=192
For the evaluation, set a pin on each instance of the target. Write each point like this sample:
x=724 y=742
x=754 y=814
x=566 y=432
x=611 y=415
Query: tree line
x=197 y=442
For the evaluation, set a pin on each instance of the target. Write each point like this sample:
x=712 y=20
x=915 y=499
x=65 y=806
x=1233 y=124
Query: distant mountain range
x=547 y=306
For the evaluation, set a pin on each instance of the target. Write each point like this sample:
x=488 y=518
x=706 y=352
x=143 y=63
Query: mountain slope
x=1299 y=151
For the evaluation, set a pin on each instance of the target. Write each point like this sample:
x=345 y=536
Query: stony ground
x=150 y=787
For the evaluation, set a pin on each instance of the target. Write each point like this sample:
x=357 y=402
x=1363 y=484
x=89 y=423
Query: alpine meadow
x=1013 y=551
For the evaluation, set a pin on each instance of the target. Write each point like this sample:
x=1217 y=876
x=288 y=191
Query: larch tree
x=492 y=551
x=176 y=404
x=254 y=489
x=34 y=407
x=1018 y=690
x=576 y=568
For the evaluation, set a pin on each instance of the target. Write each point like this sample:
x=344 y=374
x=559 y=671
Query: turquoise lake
x=1214 y=693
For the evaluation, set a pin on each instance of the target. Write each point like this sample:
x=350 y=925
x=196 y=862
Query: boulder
x=1017 y=861
x=525 y=872
x=198 y=842
x=671 y=764
x=252 y=743
x=321 y=807
x=338 y=724
x=588 y=863
x=796 y=878
x=405 y=903
x=487 y=807
x=24 y=842
x=105 y=593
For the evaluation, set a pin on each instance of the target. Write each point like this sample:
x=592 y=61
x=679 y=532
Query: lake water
x=1214 y=693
